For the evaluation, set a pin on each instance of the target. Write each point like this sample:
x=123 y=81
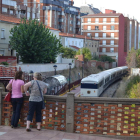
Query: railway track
x=111 y=90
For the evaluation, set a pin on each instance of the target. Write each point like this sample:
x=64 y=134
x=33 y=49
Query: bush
x=106 y=58
x=132 y=86
x=100 y=67
x=4 y=63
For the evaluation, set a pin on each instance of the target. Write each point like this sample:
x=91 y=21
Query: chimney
x=71 y=2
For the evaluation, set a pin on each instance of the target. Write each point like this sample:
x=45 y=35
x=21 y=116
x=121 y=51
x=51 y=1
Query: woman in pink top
x=16 y=86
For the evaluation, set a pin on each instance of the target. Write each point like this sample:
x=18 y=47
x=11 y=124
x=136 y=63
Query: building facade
x=79 y=41
x=59 y=14
x=6 y=23
x=115 y=32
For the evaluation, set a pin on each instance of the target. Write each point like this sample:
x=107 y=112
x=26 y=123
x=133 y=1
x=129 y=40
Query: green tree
x=86 y=52
x=34 y=42
x=106 y=58
x=68 y=52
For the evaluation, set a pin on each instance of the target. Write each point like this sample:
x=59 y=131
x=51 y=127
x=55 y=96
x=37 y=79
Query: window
x=2 y=33
x=70 y=28
x=82 y=19
x=4 y=10
x=96 y=20
x=104 y=42
x=33 y=15
x=86 y=44
x=96 y=34
x=11 y=12
x=89 y=44
x=104 y=27
x=112 y=28
x=88 y=34
x=103 y=49
x=28 y=15
x=112 y=42
x=72 y=42
x=104 y=20
x=89 y=27
x=112 y=20
x=89 y=20
x=112 y=35
x=111 y=49
x=96 y=27
x=104 y=34
x=75 y=42
x=1 y=52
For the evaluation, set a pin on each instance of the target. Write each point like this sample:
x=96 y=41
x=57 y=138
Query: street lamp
x=30 y=75
x=55 y=67
x=82 y=69
x=69 y=74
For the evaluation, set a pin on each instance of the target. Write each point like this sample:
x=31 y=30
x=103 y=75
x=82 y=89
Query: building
x=6 y=23
x=79 y=41
x=89 y=9
x=59 y=14
x=117 y=34
x=92 y=45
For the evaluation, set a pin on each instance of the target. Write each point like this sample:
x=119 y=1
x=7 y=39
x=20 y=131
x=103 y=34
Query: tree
x=34 y=42
x=86 y=52
x=131 y=58
x=68 y=52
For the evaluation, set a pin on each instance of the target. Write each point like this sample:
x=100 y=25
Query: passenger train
x=95 y=84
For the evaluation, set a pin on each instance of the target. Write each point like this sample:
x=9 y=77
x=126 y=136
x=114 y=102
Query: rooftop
x=105 y=15
x=14 y=20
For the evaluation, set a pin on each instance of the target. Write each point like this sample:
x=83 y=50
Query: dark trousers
x=17 y=104
x=35 y=107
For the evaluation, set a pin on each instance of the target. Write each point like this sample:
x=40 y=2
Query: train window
x=107 y=79
x=90 y=86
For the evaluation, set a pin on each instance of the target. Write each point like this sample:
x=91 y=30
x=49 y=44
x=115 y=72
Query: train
x=94 y=84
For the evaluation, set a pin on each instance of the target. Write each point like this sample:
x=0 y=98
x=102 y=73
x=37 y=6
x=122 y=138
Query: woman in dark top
x=35 y=100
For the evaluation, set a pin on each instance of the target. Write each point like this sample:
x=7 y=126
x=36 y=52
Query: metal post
x=82 y=69
x=55 y=67
x=69 y=75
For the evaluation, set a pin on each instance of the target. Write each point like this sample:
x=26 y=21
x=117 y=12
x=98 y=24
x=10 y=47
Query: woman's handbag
x=8 y=96
x=43 y=104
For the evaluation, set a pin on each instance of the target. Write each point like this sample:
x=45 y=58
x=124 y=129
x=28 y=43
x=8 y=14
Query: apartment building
x=79 y=41
x=59 y=14
x=117 y=34
x=6 y=23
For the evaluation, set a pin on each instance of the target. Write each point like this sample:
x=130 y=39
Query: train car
x=93 y=85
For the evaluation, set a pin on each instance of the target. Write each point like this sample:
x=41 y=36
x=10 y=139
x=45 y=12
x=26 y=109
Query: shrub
x=4 y=63
x=132 y=86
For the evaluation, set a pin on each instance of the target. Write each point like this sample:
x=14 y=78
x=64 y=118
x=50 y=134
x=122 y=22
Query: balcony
x=23 y=7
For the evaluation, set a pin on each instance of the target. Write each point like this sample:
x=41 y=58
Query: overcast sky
x=127 y=7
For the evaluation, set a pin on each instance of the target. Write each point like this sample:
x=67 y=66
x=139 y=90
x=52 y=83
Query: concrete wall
x=44 y=67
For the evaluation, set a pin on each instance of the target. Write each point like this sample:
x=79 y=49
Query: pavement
x=8 y=133
x=75 y=90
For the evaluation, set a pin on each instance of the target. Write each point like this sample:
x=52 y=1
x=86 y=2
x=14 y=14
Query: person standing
x=16 y=85
x=35 y=100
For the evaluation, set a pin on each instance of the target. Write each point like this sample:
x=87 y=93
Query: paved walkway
x=76 y=91
x=8 y=133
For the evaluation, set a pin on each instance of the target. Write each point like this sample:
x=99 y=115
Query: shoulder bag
x=8 y=96
x=43 y=104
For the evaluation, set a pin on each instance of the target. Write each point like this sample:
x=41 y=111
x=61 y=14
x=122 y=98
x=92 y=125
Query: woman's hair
x=38 y=76
x=18 y=75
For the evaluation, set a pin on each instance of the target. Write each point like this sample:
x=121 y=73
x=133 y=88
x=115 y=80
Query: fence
x=108 y=116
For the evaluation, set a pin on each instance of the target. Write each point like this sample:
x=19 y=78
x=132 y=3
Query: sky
x=129 y=8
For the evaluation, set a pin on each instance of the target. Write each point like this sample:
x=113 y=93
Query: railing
x=108 y=116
